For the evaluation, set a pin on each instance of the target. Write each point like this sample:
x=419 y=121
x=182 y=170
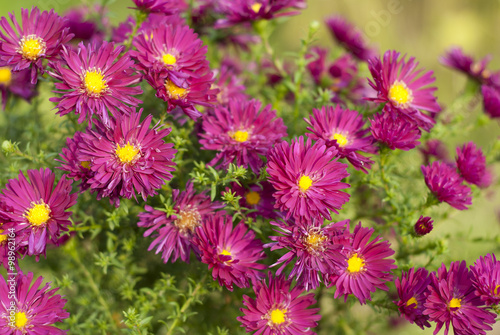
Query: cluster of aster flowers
x=456 y=296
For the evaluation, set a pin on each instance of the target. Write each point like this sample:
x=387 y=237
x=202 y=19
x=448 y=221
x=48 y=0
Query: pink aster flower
x=16 y=83
x=37 y=209
x=446 y=185
x=395 y=131
x=343 y=128
x=486 y=279
x=232 y=254
x=127 y=158
x=40 y=37
x=257 y=197
x=423 y=226
x=451 y=300
x=184 y=92
x=458 y=60
x=471 y=163
x=229 y=84
x=399 y=83
x=313 y=250
x=491 y=101
x=83 y=24
x=412 y=293
x=350 y=38
x=173 y=233
x=10 y=231
x=240 y=11
x=167 y=7
x=95 y=80
x=241 y=132
x=35 y=310
x=279 y=309
x=307 y=179
x=367 y=267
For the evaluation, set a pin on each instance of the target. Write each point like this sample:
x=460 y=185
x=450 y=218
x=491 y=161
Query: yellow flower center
x=252 y=198
x=175 y=91
x=187 y=221
x=355 y=264
x=239 y=136
x=3 y=238
x=169 y=59
x=341 y=139
x=256 y=7
x=278 y=316
x=5 y=76
x=304 y=183
x=226 y=253
x=314 y=241
x=31 y=47
x=85 y=164
x=412 y=301
x=400 y=94
x=21 y=320
x=127 y=154
x=38 y=214
x=94 y=82
x=496 y=292
x=455 y=303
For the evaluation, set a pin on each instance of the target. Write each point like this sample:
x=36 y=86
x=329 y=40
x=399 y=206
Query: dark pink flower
x=160 y=6
x=395 y=131
x=491 y=100
x=423 y=226
x=257 y=197
x=486 y=279
x=78 y=170
x=16 y=83
x=471 y=163
x=279 y=309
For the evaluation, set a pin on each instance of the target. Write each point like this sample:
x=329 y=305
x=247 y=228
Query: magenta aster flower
x=41 y=37
x=95 y=82
x=452 y=301
x=458 y=60
x=342 y=128
x=78 y=170
x=399 y=83
x=412 y=292
x=17 y=234
x=184 y=93
x=127 y=158
x=279 y=309
x=241 y=132
x=16 y=83
x=257 y=197
x=232 y=254
x=167 y=7
x=434 y=148
x=173 y=233
x=349 y=37
x=486 y=279
x=229 y=84
x=82 y=23
x=367 y=267
x=306 y=179
x=471 y=163
x=240 y=11
x=491 y=101
x=395 y=131
x=37 y=208
x=36 y=309
x=423 y=226
x=446 y=185
x=313 y=249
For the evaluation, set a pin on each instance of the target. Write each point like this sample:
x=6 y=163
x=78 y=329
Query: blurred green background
x=420 y=28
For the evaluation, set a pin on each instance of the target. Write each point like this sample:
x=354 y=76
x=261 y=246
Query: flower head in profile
x=446 y=185
x=471 y=163
x=395 y=131
x=40 y=36
x=173 y=233
x=127 y=158
x=400 y=84
x=279 y=309
x=349 y=37
x=241 y=11
x=307 y=179
x=313 y=250
x=37 y=209
x=343 y=129
x=452 y=301
x=423 y=226
x=95 y=79
x=456 y=59
x=166 y=7
x=16 y=83
x=486 y=279
x=257 y=197
x=412 y=293
x=367 y=267
x=37 y=308
x=241 y=132
x=231 y=253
